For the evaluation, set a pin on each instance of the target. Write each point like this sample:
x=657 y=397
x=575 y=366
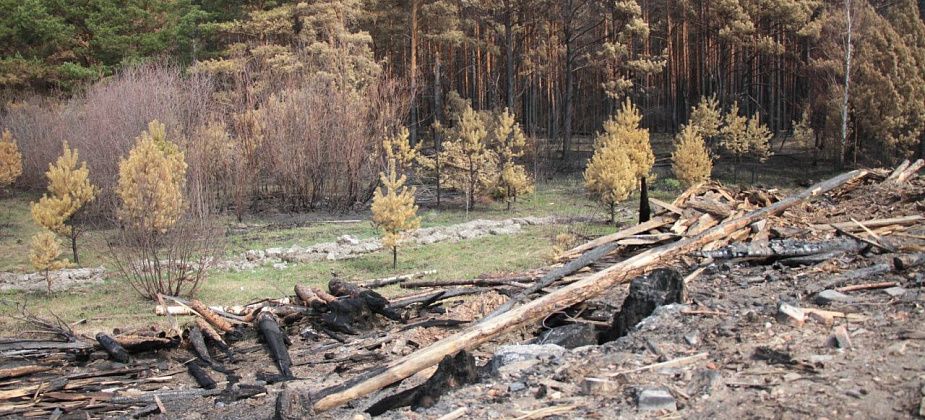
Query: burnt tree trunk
x=645 y=212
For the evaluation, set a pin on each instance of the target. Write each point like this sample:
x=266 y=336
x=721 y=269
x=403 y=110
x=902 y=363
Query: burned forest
x=448 y=209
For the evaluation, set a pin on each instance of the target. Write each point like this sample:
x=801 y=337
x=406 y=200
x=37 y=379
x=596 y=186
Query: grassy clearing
x=115 y=304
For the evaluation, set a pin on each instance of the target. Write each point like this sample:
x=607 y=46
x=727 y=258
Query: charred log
x=452 y=373
x=276 y=342
x=660 y=287
x=201 y=376
x=113 y=349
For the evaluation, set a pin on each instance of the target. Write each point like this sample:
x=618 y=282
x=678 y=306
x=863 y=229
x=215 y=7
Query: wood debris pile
x=334 y=346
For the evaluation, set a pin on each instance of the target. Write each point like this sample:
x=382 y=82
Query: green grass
x=115 y=304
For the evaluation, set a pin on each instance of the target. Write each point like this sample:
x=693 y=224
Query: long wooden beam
x=560 y=299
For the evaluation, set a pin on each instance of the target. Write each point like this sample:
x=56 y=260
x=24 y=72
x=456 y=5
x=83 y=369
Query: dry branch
x=376 y=283
x=561 y=299
x=655 y=223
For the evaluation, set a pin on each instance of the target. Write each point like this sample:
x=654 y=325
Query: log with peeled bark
x=565 y=297
x=306 y=295
x=873 y=224
x=376 y=283
x=583 y=261
x=15 y=372
x=909 y=171
x=211 y=317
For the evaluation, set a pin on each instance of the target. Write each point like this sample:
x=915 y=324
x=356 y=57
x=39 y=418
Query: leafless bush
x=323 y=141
x=104 y=121
x=172 y=263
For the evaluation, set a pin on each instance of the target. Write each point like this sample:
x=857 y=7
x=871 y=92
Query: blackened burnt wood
x=198 y=344
x=200 y=375
x=374 y=301
x=583 y=261
x=44 y=345
x=112 y=348
x=141 y=343
x=504 y=281
x=645 y=212
x=784 y=248
x=342 y=288
x=276 y=343
x=660 y=287
x=565 y=297
x=452 y=373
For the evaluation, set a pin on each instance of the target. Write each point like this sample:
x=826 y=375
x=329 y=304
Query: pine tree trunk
x=394 y=257
x=613 y=213
x=438 y=117
x=74 y=245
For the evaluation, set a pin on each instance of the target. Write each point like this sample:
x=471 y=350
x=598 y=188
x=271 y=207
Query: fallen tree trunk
x=583 y=261
x=115 y=351
x=560 y=299
x=873 y=224
x=217 y=321
x=376 y=283
x=784 y=248
x=504 y=281
x=276 y=342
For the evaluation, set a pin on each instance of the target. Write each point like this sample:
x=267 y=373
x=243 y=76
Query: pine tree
x=706 y=117
x=734 y=139
x=69 y=189
x=399 y=150
x=623 y=132
x=509 y=141
x=151 y=181
x=803 y=133
x=467 y=163
x=393 y=209
x=10 y=160
x=691 y=161
x=610 y=176
x=758 y=137
x=45 y=255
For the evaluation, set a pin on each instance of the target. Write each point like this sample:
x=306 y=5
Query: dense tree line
x=563 y=67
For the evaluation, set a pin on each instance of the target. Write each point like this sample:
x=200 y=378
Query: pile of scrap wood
x=311 y=338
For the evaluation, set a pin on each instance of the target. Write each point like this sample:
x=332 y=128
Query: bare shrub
x=104 y=120
x=322 y=141
x=173 y=263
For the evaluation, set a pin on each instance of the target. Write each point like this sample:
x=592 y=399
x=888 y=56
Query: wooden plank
x=670 y=207
x=565 y=297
